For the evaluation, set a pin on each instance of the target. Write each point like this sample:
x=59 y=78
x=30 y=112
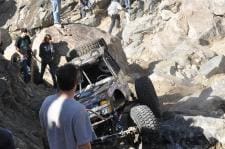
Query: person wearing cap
x=23 y=46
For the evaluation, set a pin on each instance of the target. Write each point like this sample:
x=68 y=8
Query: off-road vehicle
x=115 y=113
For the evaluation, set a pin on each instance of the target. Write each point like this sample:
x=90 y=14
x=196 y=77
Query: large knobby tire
x=144 y=118
x=82 y=50
x=147 y=95
x=147 y=124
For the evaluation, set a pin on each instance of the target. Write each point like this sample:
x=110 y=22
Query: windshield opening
x=94 y=72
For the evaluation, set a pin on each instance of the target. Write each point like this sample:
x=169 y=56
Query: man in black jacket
x=46 y=54
x=23 y=46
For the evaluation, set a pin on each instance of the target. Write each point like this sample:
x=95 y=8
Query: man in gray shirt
x=64 y=119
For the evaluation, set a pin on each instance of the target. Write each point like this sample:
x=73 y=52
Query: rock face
x=173 y=23
x=181 y=45
x=19 y=107
x=214 y=66
x=199 y=132
x=5 y=39
x=32 y=14
x=21 y=14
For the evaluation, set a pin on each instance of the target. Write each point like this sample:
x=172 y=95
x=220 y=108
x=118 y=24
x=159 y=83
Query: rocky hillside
x=19 y=106
x=179 y=44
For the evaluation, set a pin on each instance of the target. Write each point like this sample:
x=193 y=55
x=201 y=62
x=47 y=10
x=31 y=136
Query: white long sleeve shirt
x=114 y=8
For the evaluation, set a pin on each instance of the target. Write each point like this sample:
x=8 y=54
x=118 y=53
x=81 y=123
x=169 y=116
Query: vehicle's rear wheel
x=147 y=124
x=144 y=118
x=147 y=95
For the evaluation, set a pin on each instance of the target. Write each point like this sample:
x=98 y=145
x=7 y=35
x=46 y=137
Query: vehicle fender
x=118 y=86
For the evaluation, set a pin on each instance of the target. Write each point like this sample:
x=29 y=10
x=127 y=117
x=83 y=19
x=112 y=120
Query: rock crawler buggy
x=114 y=111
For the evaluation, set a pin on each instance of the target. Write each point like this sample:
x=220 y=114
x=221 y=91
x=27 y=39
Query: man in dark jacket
x=23 y=46
x=46 y=54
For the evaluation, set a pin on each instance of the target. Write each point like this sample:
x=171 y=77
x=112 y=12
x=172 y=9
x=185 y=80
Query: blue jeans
x=25 y=65
x=115 y=19
x=127 y=4
x=56 y=8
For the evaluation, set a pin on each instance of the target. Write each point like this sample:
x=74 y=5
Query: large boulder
x=21 y=14
x=218 y=7
x=7 y=10
x=213 y=66
x=193 y=131
x=207 y=102
x=172 y=23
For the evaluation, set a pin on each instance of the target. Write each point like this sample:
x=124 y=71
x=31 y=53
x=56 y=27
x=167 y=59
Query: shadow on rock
x=204 y=104
x=61 y=49
x=178 y=132
x=5 y=40
x=7 y=10
x=137 y=69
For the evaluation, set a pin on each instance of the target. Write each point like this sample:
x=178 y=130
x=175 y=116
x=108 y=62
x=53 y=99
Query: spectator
x=6 y=139
x=56 y=8
x=47 y=54
x=113 y=11
x=64 y=119
x=23 y=46
x=85 y=6
x=126 y=4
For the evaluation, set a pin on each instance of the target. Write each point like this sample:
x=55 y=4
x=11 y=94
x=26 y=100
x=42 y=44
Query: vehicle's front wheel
x=146 y=122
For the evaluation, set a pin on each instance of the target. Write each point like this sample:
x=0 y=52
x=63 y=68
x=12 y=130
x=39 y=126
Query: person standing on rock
x=6 y=139
x=127 y=5
x=83 y=8
x=56 y=9
x=86 y=6
x=65 y=120
x=47 y=54
x=113 y=11
x=23 y=46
